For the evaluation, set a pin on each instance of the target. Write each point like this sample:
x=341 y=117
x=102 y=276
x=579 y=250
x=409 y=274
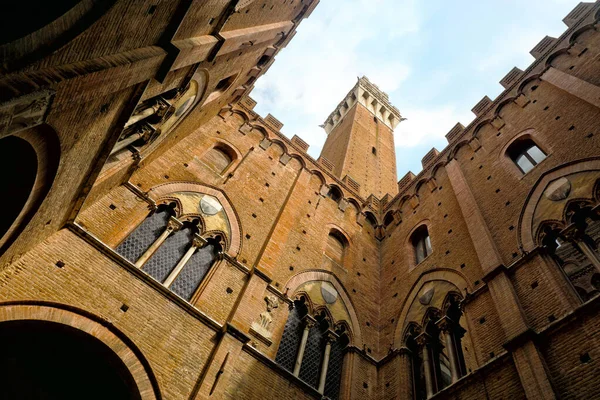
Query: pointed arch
x=525 y=225
x=441 y=274
x=165 y=189
x=326 y=276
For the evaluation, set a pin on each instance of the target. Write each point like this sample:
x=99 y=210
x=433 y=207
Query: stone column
x=330 y=338
x=308 y=324
x=173 y=225
x=197 y=243
x=423 y=341
x=446 y=325
x=589 y=253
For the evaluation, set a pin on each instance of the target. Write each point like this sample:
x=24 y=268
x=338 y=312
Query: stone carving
x=24 y=112
x=265 y=318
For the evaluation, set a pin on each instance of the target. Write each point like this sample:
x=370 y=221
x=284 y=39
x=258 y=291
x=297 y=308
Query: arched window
x=436 y=350
x=172 y=251
x=307 y=342
x=336 y=246
x=525 y=154
x=421 y=243
x=575 y=249
x=219 y=158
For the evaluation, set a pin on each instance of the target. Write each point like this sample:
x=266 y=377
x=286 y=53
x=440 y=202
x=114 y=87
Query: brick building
x=160 y=240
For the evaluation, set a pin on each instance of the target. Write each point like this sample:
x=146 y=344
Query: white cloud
x=428 y=126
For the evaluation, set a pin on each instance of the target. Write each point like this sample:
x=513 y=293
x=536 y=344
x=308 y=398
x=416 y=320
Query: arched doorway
x=47 y=360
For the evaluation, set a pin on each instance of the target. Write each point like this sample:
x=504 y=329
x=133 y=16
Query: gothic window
x=336 y=246
x=172 y=251
x=292 y=334
x=421 y=243
x=436 y=351
x=307 y=343
x=219 y=158
x=525 y=154
x=574 y=248
x=145 y=234
x=194 y=271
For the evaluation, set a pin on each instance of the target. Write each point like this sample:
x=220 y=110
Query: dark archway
x=48 y=361
x=29 y=162
x=18 y=167
x=24 y=17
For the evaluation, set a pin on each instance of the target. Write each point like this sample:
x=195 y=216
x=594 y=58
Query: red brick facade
x=477 y=278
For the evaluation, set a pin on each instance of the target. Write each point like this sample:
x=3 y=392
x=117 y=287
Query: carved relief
x=24 y=112
x=261 y=328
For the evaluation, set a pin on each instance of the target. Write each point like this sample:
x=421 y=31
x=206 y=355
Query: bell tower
x=360 y=140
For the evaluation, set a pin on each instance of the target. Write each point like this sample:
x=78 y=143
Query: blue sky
x=436 y=59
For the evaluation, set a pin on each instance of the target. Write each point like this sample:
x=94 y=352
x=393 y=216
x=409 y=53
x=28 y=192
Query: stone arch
x=34 y=152
x=556 y=54
x=418 y=185
x=130 y=355
x=480 y=126
x=45 y=37
x=527 y=231
x=300 y=159
x=326 y=276
x=452 y=153
x=320 y=175
x=504 y=103
x=235 y=242
x=582 y=30
x=441 y=274
x=527 y=81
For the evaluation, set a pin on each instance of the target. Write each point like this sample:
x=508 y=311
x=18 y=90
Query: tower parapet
x=372 y=98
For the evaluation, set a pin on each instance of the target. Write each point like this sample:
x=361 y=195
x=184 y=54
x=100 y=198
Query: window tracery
x=178 y=247
x=313 y=346
x=435 y=346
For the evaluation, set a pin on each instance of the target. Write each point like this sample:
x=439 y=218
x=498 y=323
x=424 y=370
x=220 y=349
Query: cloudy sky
x=436 y=59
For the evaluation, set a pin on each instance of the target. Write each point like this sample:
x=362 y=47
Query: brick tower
x=360 y=140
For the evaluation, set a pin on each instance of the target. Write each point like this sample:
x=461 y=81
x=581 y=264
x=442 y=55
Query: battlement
x=372 y=98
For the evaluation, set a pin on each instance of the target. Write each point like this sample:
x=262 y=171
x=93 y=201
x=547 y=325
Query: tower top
x=372 y=98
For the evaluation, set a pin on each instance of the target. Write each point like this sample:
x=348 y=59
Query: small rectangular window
x=524 y=163
x=536 y=154
x=374 y=150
